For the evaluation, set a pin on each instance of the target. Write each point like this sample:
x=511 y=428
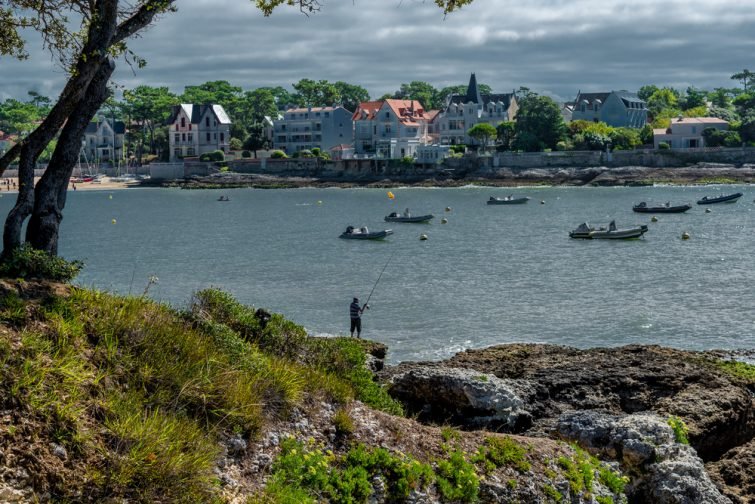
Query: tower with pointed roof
x=473 y=93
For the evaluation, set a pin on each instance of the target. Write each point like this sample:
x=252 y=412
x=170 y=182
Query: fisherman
x=355 y=311
x=406 y=213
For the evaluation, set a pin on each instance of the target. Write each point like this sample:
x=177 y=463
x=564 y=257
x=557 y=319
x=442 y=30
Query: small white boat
x=587 y=232
x=396 y=217
x=353 y=233
x=508 y=200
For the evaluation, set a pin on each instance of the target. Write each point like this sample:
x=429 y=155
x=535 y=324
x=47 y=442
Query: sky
x=554 y=47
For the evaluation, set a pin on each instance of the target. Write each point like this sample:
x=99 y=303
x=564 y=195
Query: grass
x=739 y=370
x=139 y=393
x=502 y=451
x=27 y=262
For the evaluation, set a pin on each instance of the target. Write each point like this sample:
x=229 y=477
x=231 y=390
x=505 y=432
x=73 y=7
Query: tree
x=281 y=96
x=746 y=77
x=351 y=95
x=647 y=91
x=694 y=98
x=665 y=99
x=214 y=92
x=423 y=92
x=256 y=139
x=483 y=133
x=149 y=107
x=506 y=132
x=720 y=97
x=310 y=93
x=88 y=51
x=19 y=117
x=539 y=123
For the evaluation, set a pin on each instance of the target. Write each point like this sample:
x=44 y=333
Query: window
x=215 y=136
x=183 y=135
x=189 y=126
x=327 y=114
x=191 y=137
x=183 y=122
x=177 y=152
x=208 y=137
x=207 y=122
x=177 y=137
x=387 y=115
x=190 y=151
x=222 y=137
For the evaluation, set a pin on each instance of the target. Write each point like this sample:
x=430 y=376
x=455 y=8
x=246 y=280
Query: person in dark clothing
x=355 y=312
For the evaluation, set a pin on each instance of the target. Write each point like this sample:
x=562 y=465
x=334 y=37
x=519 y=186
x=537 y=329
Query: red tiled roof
x=371 y=107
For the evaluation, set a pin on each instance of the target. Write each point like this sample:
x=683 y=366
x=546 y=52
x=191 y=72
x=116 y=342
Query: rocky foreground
x=623 y=404
x=114 y=399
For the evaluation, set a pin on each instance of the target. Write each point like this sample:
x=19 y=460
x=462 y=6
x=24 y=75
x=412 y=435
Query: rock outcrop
x=612 y=401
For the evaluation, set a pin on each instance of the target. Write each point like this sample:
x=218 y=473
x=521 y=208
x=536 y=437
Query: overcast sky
x=555 y=47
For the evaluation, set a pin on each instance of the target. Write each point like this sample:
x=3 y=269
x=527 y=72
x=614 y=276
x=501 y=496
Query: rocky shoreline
x=620 y=404
x=700 y=174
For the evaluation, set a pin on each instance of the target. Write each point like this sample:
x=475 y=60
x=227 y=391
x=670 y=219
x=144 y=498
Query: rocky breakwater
x=680 y=424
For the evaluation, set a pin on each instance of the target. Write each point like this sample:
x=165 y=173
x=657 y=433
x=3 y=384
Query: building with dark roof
x=465 y=110
x=196 y=129
x=103 y=140
x=620 y=109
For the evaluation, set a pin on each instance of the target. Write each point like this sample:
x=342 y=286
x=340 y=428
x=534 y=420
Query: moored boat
x=508 y=200
x=396 y=217
x=727 y=198
x=667 y=208
x=587 y=232
x=363 y=233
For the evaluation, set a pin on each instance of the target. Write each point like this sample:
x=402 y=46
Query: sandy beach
x=104 y=184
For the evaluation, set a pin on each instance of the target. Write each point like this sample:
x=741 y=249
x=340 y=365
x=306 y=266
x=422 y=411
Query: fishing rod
x=378 y=279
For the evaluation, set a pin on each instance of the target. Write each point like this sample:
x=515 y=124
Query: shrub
x=215 y=156
x=502 y=451
x=681 y=433
x=343 y=423
x=407 y=161
x=246 y=154
x=664 y=146
x=316 y=151
x=27 y=262
x=458 y=149
x=236 y=144
x=456 y=478
x=278 y=154
x=304 y=153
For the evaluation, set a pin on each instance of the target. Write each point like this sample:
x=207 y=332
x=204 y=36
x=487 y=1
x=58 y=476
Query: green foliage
x=456 y=478
x=681 y=433
x=483 y=133
x=664 y=146
x=12 y=309
x=739 y=370
x=407 y=161
x=235 y=144
x=646 y=135
x=506 y=133
x=27 y=262
x=664 y=100
x=214 y=156
x=304 y=153
x=307 y=472
x=421 y=91
x=343 y=423
x=717 y=138
x=278 y=154
x=539 y=123
x=612 y=480
x=604 y=499
x=449 y=433
x=551 y=492
x=458 y=149
x=246 y=154
x=502 y=451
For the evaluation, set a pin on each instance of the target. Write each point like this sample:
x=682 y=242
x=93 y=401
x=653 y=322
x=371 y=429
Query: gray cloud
x=552 y=46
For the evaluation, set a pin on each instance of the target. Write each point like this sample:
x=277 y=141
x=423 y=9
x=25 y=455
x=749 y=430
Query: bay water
x=492 y=274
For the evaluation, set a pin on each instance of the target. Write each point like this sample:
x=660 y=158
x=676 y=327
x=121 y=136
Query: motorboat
x=397 y=217
x=587 y=232
x=363 y=233
x=508 y=200
x=728 y=198
x=667 y=208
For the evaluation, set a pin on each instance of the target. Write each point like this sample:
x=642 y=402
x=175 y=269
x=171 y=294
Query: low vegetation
x=139 y=393
x=681 y=433
x=27 y=262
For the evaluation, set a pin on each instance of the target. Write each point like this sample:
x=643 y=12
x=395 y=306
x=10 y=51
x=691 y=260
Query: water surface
x=493 y=274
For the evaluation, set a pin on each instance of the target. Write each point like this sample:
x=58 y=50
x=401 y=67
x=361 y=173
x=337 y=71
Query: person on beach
x=355 y=311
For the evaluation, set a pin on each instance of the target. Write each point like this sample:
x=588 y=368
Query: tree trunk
x=50 y=193
x=25 y=201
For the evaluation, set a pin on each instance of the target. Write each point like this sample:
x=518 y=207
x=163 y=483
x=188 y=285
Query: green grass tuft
x=27 y=262
x=502 y=451
x=681 y=433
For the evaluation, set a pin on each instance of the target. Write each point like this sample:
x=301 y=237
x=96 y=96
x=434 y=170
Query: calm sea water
x=493 y=274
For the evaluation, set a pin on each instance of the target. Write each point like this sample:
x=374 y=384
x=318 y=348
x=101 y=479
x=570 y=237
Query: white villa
x=391 y=128
x=687 y=132
x=310 y=127
x=196 y=129
x=464 y=111
x=103 y=141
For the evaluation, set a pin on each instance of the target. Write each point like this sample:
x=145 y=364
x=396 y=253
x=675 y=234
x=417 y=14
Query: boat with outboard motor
x=508 y=200
x=363 y=233
x=724 y=198
x=397 y=217
x=667 y=208
x=587 y=232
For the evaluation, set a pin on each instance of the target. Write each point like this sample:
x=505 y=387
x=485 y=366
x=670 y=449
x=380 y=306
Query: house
x=391 y=128
x=307 y=128
x=463 y=111
x=196 y=129
x=567 y=110
x=6 y=142
x=103 y=140
x=620 y=109
x=433 y=153
x=343 y=151
x=687 y=132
